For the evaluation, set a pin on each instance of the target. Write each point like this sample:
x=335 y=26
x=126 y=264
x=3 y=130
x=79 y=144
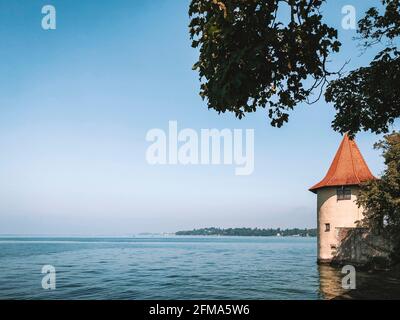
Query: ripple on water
x=171 y=268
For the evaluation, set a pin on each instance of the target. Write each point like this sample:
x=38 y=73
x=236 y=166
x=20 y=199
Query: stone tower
x=337 y=194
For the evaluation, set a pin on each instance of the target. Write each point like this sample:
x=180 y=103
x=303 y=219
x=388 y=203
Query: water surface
x=173 y=268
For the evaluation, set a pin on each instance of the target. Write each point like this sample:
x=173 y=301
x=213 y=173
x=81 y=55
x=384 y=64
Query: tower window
x=343 y=193
x=327 y=227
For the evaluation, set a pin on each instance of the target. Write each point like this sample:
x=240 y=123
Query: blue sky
x=76 y=104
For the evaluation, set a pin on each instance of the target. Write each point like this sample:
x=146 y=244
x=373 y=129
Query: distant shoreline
x=249 y=232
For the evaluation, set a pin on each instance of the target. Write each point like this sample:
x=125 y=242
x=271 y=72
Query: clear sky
x=76 y=104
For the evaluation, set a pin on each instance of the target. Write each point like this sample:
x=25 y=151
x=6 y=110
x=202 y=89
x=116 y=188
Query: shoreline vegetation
x=249 y=232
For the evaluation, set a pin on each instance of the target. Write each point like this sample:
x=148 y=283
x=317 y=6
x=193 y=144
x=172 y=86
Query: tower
x=336 y=197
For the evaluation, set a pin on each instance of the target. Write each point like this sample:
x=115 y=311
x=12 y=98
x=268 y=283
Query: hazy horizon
x=136 y=233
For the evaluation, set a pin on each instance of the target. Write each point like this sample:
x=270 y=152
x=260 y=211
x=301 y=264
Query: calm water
x=177 y=268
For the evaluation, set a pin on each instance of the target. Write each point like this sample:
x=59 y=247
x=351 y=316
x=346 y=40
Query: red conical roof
x=348 y=167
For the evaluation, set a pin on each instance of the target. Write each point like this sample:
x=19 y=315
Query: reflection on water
x=376 y=285
x=330 y=282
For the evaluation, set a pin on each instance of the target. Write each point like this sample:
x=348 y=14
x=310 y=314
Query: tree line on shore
x=255 y=232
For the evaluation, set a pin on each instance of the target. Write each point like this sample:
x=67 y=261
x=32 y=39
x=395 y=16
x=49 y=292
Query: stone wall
x=361 y=248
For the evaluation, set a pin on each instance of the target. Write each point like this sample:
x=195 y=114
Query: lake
x=178 y=268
